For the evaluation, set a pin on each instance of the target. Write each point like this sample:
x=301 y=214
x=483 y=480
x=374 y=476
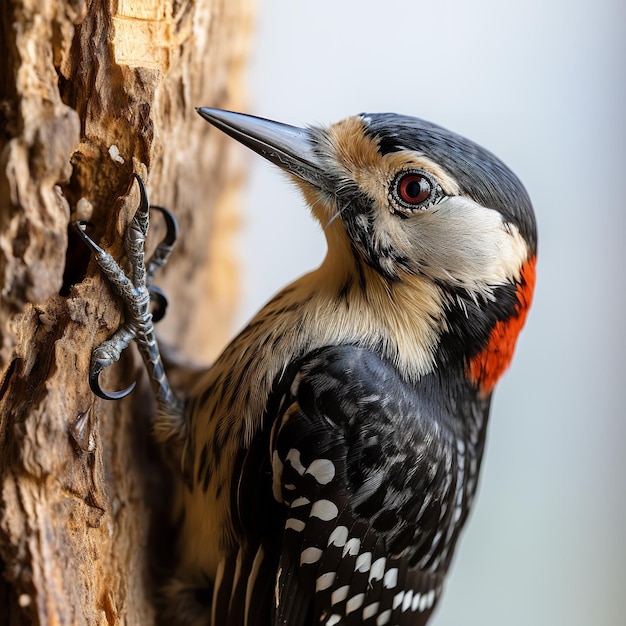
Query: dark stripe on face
x=359 y=214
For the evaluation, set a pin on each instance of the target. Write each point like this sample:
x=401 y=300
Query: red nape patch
x=487 y=366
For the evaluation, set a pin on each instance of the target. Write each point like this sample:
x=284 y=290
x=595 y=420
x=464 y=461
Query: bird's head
x=412 y=208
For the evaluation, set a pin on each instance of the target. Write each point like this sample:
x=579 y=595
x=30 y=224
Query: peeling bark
x=89 y=93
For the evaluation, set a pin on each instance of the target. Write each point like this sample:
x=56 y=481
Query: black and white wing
x=367 y=500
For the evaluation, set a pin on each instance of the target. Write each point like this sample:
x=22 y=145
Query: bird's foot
x=137 y=292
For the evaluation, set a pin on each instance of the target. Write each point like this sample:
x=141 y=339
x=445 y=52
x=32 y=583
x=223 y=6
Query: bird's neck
x=361 y=307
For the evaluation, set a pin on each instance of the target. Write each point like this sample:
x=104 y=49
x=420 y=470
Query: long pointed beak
x=289 y=147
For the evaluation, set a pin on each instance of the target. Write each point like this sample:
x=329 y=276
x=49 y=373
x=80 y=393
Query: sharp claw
x=79 y=227
x=170 y=223
x=160 y=299
x=94 y=383
x=143 y=194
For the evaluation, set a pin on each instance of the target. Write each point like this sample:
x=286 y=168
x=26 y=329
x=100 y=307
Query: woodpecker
x=329 y=457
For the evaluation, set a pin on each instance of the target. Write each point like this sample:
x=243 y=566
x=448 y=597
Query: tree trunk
x=91 y=92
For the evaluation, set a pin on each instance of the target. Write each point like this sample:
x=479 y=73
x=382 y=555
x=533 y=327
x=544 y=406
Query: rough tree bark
x=91 y=91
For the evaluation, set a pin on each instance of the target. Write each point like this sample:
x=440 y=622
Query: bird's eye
x=413 y=188
x=412 y=191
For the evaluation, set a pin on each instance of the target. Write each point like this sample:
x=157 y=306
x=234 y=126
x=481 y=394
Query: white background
x=542 y=84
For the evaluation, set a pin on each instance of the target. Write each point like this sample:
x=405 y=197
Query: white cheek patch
x=465 y=244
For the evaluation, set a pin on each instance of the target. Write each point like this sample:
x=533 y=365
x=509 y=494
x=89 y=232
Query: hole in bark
x=204 y=595
x=76 y=261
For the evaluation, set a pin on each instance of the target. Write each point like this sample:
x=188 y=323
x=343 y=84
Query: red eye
x=414 y=188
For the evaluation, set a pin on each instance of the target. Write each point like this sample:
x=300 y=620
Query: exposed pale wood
x=89 y=93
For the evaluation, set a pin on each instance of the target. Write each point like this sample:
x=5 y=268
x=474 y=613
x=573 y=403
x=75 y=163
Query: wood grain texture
x=89 y=93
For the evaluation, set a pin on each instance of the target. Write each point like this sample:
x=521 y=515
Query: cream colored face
x=452 y=239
